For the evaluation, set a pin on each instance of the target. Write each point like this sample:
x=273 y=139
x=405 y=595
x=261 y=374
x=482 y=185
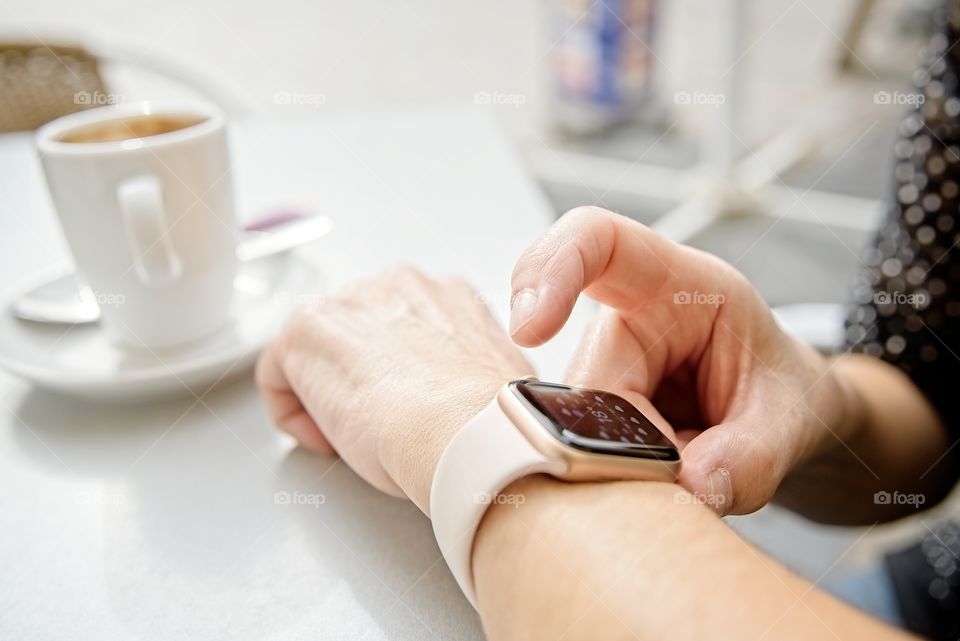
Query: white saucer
x=81 y=361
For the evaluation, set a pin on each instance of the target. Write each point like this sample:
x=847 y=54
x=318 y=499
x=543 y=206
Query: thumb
x=733 y=467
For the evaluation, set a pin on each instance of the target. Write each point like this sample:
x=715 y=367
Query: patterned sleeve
x=907 y=307
x=907 y=299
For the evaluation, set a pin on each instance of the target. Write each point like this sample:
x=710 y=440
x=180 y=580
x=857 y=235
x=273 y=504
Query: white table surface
x=159 y=521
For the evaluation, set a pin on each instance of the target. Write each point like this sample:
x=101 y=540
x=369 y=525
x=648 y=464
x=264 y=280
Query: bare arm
x=639 y=561
x=897 y=444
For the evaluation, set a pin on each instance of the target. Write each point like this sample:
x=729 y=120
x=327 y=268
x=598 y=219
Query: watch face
x=594 y=420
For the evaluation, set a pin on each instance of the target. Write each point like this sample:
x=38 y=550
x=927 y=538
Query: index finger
x=616 y=260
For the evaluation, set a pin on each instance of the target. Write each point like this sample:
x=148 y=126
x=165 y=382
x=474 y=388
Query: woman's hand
x=385 y=373
x=687 y=331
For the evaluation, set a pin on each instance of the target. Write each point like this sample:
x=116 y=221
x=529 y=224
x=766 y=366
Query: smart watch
x=530 y=427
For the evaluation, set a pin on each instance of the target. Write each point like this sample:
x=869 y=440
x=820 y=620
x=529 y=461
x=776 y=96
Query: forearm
x=898 y=444
x=638 y=561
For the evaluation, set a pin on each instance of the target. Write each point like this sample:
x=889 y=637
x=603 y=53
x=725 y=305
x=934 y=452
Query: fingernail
x=522 y=308
x=720 y=490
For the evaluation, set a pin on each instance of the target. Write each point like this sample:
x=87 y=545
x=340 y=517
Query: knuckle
x=400 y=278
x=353 y=291
x=302 y=324
x=580 y=225
x=301 y=318
x=588 y=214
x=403 y=272
x=458 y=284
x=721 y=269
x=269 y=362
x=589 y=224
x=260 y=376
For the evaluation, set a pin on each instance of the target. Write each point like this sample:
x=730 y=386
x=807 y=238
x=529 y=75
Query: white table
x=159 y=521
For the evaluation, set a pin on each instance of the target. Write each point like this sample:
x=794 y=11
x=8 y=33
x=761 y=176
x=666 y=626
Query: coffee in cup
x=139 y=126
x=144 y=195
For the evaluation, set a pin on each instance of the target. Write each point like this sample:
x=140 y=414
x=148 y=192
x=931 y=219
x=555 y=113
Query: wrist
x=828 y=411
x=851 y=417
x=836 y=407
x=412 y=462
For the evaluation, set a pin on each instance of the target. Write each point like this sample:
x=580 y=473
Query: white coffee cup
x=145 y=198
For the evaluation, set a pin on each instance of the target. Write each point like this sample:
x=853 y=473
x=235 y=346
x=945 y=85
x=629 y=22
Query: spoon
x=66 y=299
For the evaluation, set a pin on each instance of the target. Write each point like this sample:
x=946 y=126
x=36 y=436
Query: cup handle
x=141 y=206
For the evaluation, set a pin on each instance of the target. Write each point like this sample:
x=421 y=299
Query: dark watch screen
x=594 y=420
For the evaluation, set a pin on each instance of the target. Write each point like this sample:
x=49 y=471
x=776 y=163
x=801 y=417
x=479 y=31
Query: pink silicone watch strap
x=485 y=456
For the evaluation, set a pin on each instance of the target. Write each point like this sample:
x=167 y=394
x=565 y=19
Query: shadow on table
x=382 y=546
x=76 y=437
x=227 y=533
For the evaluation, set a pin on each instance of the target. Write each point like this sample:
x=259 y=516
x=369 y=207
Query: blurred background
x=760 y=131
x=611 y=111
